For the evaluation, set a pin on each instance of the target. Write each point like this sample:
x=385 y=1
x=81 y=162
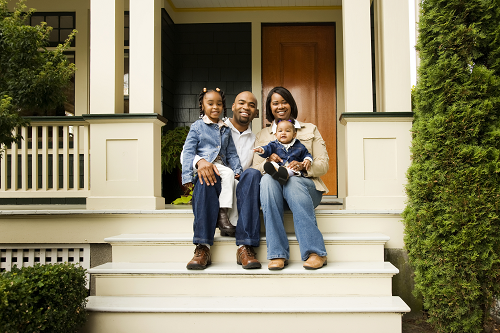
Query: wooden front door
x=301 y=58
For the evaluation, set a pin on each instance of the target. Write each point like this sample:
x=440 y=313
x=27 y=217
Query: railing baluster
x=34 y=158
x=76 y=157
x=45 y=158
x=3 y=169
x=19 y=179
x=65 y=153
x=86 y=153
x=55 y=158
x=24 y=159
x=13 y=165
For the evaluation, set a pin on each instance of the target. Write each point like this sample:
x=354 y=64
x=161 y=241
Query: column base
x=374 y=203
x=125 y=203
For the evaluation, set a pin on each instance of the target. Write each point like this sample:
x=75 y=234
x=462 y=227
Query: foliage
x=9 y=120
x=186 y=198
x=172 y=143
x=33 y=78
x=43 y=298
x=452 y=226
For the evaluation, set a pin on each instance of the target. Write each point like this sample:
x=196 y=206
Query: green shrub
x=43 y=298
x=452 y=225
x=172 y=143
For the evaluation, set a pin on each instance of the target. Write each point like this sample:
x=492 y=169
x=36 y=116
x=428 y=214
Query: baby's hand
x=237 y=176
x=258 y=150
x=306 y=164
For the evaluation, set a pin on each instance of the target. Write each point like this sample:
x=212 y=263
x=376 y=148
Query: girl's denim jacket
x=208 y=140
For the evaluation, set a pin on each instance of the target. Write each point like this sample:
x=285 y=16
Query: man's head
x=286 y=131
x=244 y=109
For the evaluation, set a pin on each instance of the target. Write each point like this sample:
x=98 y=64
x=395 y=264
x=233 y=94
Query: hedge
x=452 y=225
x=43 y=298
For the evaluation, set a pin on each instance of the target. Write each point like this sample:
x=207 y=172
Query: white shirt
x=244 y=143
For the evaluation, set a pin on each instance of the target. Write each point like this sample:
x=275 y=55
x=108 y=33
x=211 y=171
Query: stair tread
x=188 y=237
x=294 y=268
x=177 y=304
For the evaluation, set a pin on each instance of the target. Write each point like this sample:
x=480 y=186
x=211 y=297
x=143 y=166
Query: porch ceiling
x=199 y=4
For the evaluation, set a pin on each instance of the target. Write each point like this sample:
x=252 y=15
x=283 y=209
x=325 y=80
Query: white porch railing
x=52 y=160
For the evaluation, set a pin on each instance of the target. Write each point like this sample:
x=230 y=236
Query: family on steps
x=235 y=172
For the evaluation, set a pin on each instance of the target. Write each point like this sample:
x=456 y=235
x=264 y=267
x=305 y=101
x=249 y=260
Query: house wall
x=210 y=55
x=256 y=19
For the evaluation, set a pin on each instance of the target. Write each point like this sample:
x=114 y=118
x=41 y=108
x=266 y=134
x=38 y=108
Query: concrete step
x=67 y=224
x=179 y=247
x=229 y=279
x=245 y=314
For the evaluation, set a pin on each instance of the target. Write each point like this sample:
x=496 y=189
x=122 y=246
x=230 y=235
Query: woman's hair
x=287 y=96
x=202 y=95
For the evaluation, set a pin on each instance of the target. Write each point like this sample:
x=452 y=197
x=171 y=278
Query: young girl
x=288 y=149
x=210 y=139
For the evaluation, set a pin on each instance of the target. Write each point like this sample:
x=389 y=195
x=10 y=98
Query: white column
x=145 y=57
x=106 y=56
x=357 y=56
x=393 y=51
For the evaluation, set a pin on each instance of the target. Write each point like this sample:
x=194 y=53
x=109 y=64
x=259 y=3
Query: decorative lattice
x=24 y=255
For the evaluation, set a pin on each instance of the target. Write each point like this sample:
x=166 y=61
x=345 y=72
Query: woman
x=301 y=194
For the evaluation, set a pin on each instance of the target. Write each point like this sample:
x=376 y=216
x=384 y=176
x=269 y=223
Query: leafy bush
x=452 y=225
x=172 y=143
x=43 y=298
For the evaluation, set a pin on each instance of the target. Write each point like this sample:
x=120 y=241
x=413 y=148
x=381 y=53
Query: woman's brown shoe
x=314 y=261
x=277 y=264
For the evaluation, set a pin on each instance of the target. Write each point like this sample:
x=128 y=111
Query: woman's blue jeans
x=300 y=196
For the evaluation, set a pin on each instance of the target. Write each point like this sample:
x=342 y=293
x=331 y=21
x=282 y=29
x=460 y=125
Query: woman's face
x=280 y=108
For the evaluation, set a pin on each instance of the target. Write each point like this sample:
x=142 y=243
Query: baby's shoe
x=280 y=174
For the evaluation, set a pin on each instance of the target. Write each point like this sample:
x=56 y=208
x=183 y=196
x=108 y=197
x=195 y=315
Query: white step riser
x=236 y=286
x=226 y=252
x=105 y=322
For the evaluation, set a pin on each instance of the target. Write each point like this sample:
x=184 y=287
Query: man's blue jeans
x=206 y=210
x=299 y=195
x=247 y=198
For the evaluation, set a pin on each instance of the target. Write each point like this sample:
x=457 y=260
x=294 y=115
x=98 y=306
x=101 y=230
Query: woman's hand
x=296 y=166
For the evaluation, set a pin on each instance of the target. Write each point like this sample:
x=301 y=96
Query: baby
x=288 y=149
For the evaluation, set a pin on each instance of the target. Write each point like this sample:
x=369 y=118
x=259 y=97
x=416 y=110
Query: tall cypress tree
x=452 y=220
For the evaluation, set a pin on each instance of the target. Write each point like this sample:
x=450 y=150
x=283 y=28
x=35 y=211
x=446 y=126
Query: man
x=247 y=191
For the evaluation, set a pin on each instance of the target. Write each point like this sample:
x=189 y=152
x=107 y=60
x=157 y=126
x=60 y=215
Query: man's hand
x=274 y=158
x=237 y=176
x=207 y=171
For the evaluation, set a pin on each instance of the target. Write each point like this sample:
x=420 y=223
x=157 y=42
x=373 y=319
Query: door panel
x=302 y=59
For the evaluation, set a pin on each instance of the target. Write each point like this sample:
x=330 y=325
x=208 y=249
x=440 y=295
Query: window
x=62 y=23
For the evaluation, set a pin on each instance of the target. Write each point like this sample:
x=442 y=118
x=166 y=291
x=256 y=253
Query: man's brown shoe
x=277 y=264
x=314 y=261
x=201 y=258
x=246 y=257
x=225 y=227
